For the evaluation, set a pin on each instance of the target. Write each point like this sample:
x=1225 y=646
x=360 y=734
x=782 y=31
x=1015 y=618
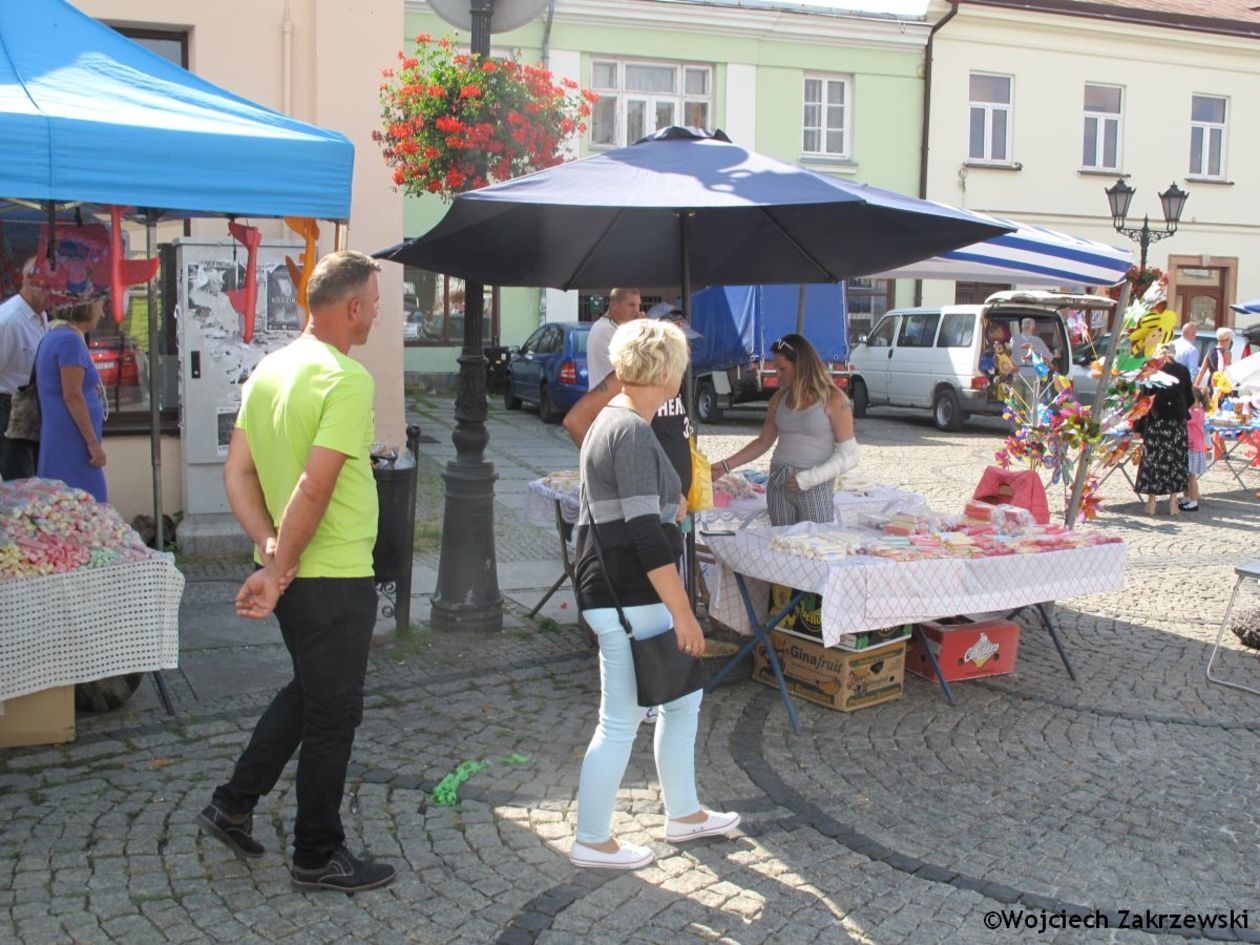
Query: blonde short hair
x=1224 y=334
x=648 y=351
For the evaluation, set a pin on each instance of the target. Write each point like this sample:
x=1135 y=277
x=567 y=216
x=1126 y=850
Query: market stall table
x=63 y=629
x=1231 y=437
x=863 y=592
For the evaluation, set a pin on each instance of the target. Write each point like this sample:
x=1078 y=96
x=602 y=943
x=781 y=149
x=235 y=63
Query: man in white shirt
x=623 y=306
x=23 y=325
x=1187 y=350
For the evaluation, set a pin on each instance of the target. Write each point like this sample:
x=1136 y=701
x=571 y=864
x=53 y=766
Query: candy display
x=567 y=481
x=738 y=486
x=47 y=527
x=821 y=545
x=907 y=537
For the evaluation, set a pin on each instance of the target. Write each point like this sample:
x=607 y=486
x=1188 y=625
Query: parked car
x=549 y=370
x=115 y=362
x=930 y=357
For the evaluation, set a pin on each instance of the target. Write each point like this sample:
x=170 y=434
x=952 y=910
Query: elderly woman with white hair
x=1218 y=359
x=629 y=545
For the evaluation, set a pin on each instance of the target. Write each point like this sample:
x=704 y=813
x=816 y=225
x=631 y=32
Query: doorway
x=1201 y=297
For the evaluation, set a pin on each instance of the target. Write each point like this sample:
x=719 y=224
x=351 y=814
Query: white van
x=931 y=357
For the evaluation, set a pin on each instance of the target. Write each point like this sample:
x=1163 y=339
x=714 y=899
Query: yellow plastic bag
x=700 y=496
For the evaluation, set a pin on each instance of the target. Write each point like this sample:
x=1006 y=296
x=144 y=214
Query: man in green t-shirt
x=299 y=480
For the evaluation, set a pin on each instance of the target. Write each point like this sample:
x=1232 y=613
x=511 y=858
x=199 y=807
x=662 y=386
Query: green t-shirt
x=310 y=394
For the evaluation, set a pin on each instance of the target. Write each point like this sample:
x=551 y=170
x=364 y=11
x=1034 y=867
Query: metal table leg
x=1220 y=635
x=568 y=565
x=761 y=635
x=1043 y=612
x=920 y=637
x=164 y=693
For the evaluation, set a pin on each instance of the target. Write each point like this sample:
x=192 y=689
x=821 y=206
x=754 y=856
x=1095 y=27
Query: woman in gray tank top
x=810 y=425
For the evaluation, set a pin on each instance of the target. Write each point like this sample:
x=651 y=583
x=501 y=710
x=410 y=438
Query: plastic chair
x=1250 y=570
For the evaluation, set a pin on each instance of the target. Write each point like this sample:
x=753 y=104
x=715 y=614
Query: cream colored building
x=1038 y=106
x=320 y=62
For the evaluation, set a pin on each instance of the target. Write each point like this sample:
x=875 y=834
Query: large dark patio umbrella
x=682 y=207
x=621 y=218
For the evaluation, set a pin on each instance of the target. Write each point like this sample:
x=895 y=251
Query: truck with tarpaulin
x=731 y=361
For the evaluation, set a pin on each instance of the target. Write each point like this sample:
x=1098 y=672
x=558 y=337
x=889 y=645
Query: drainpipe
x=286 y=30
x=546 y=41
x=927 y=118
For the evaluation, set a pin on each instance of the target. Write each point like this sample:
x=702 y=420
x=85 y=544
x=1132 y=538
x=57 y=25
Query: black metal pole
x=467 y=595
x=1144 y=241
x=155 y=388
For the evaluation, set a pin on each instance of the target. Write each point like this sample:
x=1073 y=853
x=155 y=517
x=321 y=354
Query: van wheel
x=707 y=409
x=548 y=412
x=510 y=400
x=857 y=394
x=947 y=412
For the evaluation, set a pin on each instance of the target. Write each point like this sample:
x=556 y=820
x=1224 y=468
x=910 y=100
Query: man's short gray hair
x=1028 y=325
x=337 y=275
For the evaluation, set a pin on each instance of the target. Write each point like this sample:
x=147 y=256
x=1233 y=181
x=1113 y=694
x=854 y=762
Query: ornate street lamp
x=1173 y=201
x=467 y=594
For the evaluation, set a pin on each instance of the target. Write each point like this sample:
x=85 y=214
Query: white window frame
x=989 y=109
x=1101 y=119
x=680 y=99
x=846 y=129
x=1208 y=127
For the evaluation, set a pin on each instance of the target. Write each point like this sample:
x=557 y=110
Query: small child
x=1197 y=438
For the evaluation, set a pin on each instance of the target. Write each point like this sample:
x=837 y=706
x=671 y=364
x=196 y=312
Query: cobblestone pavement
x=1129 y=789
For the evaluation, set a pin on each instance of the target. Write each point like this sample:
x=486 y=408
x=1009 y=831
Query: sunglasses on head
x=782 y=345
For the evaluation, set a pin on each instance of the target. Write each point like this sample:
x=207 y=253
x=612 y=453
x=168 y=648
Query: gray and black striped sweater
x=632 y=493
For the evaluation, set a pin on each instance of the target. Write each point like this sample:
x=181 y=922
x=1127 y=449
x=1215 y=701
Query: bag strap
x=599 y=553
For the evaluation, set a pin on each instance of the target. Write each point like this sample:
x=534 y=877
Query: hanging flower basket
x=454 y=122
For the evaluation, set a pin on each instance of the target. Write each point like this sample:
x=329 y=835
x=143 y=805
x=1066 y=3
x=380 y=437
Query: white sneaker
x=717 y=824
x=627 y=857
x=650 y=715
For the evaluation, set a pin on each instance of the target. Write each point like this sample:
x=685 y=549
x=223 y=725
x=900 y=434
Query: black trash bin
x=396 y=532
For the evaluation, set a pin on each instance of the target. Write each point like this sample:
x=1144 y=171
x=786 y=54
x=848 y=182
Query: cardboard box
x=869 y=639
x=831 y=677
x=42 y=718
x=966 y=649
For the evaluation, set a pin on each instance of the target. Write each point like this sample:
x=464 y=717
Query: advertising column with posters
x=215 y=357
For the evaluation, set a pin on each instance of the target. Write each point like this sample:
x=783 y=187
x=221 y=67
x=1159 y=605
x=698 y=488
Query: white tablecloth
x=868 y=593
x=88 y=624
x=540 y=499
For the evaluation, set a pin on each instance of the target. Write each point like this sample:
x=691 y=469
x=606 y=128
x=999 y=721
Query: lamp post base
x=467 y=594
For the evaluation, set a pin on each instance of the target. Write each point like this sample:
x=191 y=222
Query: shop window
x=639 y=98
x=1101 y=147
x=825 y=122
x=433 y=309
x=868 y=300
x=974 y=293
x=1207 y=136
x=990 y=118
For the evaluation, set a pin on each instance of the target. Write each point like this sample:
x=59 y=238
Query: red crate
x=965 y=648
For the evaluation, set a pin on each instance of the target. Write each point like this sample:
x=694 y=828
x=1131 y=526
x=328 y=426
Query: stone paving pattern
x=1132 y=788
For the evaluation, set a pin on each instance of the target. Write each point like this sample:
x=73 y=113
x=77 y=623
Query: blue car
x=549 y=370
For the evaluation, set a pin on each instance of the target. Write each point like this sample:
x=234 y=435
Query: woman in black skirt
x=1165 y=447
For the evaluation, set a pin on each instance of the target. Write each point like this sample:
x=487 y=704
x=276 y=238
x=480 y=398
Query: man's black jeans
x=327 y=626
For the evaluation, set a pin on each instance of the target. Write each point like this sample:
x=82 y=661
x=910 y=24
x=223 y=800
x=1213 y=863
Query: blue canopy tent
x=1247 y=308
x=88 y=117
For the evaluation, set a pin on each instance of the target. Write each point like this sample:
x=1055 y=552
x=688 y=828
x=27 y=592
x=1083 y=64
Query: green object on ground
x=446 y=794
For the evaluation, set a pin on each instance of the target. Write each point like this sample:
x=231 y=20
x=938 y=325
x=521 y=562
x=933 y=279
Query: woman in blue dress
x=71 y=402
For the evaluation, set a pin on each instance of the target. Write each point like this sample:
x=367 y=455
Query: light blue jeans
x=619 y=718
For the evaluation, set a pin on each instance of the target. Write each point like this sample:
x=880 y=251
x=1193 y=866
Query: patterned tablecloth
x=868 y=593
x=88 y=624
x=542 y=494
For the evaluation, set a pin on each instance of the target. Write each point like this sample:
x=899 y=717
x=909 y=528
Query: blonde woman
x=630 y=505
x=810 y=424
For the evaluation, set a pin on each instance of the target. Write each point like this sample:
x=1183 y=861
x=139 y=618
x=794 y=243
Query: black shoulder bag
x=662 y=672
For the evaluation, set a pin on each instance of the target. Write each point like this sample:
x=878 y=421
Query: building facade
x=838 y=92
x=1038 y=106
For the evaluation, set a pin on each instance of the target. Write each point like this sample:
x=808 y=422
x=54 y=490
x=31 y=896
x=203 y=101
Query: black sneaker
x=344 y=873
x=234 y=831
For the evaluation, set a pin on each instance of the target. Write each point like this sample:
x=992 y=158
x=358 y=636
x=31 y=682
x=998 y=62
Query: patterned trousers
x=787 y=508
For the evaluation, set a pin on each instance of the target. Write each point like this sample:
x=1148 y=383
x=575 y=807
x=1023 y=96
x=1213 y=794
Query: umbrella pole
x=689 y=400
x=155 y=388
x=1100 y=397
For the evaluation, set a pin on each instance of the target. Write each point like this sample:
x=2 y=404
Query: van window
x=882 y=336
x=918 y=330
x=957 y=330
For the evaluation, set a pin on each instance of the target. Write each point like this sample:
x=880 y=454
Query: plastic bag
x=700 y=496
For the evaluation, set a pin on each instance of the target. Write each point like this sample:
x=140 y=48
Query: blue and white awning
x=1030 y=256
x=1247 y=308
